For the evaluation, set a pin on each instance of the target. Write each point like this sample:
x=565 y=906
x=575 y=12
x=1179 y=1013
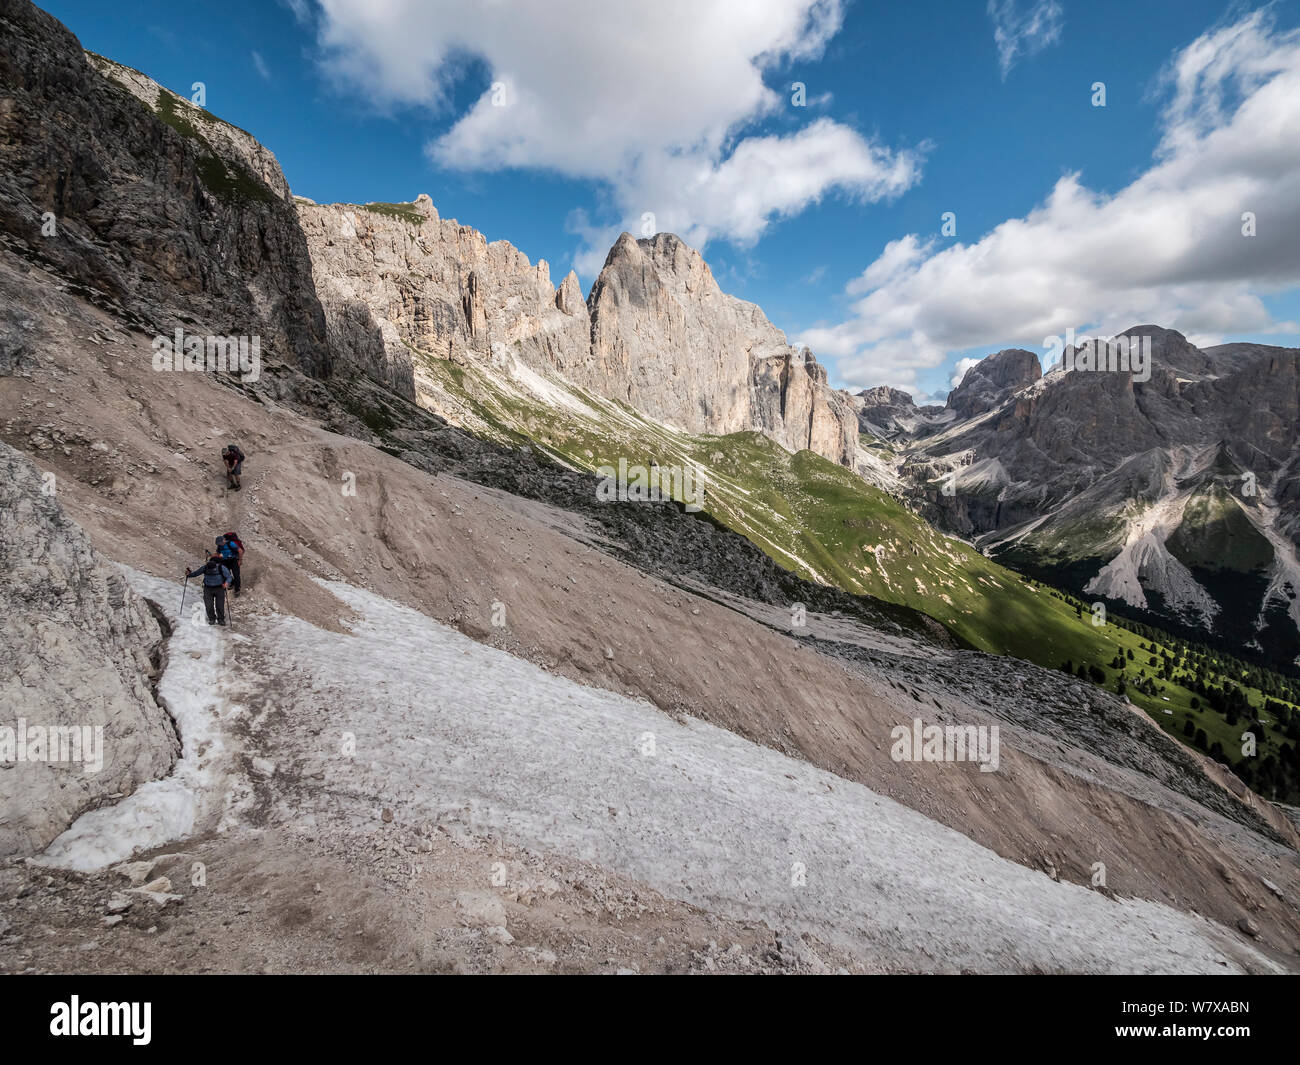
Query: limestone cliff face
x=77 y=650
x=397 y=282
x=665 y=338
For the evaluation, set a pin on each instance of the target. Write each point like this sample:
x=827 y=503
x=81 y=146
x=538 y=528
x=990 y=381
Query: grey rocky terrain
x=80 y=652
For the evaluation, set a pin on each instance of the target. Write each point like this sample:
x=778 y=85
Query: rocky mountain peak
x=884 y=396
x=568 y=297
x=666 y=339
x=669 y=252
x=1172 y=351
x=423 y=203
x=676 y=265
x=992 y=379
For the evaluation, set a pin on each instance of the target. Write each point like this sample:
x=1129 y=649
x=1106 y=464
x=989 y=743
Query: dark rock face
x=993 y=380
x=1171 y=351
x=163 y=227
x=884 y=411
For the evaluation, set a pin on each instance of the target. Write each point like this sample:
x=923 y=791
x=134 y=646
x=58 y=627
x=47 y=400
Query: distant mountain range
x=1177 y=498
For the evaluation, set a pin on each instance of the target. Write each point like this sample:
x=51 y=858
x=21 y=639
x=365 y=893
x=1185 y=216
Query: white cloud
x=650 y=100
x=893 y=360
x=1167 y=249
x=898 y=257
x=1024 y=28
x=260 y=65
x=959 y=371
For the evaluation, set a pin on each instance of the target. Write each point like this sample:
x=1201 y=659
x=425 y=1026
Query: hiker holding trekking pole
x=216 y=579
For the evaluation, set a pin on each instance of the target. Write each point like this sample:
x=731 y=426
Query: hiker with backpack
x=231 y=549
x=216 y=579
x=234 y=460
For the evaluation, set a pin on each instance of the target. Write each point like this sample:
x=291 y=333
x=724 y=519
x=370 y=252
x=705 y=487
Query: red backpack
x=231 y=538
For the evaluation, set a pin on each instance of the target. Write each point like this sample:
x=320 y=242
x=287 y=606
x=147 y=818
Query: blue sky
x=912 y=110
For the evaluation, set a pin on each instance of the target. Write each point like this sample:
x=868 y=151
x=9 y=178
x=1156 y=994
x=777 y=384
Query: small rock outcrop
x=78 y=650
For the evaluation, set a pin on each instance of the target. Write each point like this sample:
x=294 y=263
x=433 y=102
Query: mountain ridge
x=1085 y=478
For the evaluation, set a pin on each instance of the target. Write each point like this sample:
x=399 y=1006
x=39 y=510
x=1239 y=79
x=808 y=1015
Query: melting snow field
x=408 y=714
x=195 y=688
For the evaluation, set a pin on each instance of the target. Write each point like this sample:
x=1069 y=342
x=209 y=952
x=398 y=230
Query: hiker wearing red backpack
x=231 y=549
x=234 y=460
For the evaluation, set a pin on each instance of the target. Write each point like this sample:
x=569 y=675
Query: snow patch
x=448 y=728
x=194 y=687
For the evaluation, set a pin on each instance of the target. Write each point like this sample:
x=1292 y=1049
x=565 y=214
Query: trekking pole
x=185 y=588
x=230 y=614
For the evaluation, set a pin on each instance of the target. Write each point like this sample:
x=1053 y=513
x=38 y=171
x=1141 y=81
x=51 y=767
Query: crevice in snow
x=197 y=690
